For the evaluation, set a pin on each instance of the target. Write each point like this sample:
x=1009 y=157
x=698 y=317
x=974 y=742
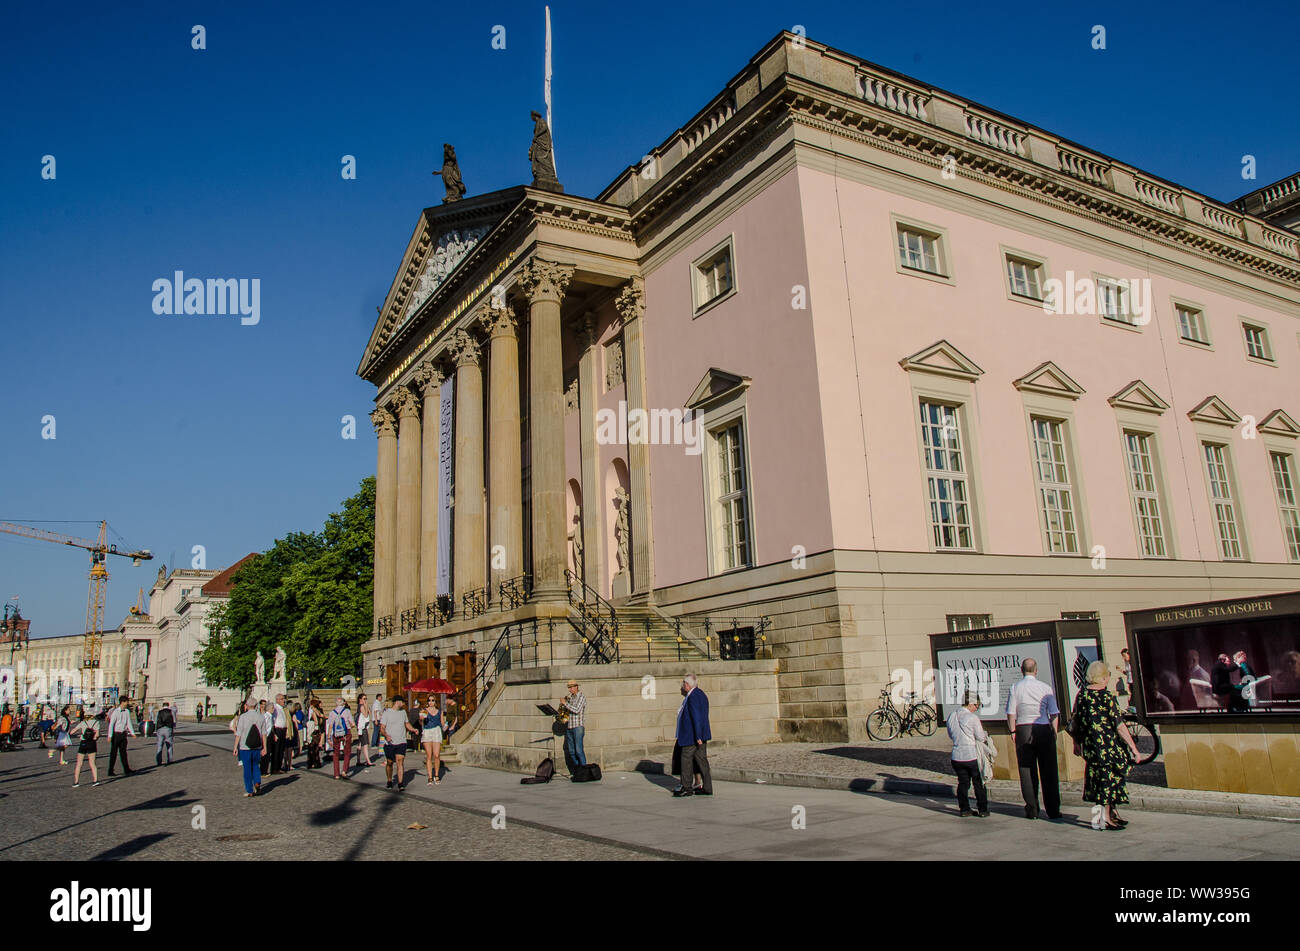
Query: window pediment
x=1050 y=379
x=1214 y=410
x=1280 y=423
x=944 y=359
x=1137 y=395
x=715 y=385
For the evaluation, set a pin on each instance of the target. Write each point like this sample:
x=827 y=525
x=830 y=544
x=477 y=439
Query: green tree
x=310 y=594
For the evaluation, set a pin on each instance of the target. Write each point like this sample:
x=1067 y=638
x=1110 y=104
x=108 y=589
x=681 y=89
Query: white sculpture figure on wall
x=277 y=673
x=622 y=527
x=259 y=669
x=451 y=247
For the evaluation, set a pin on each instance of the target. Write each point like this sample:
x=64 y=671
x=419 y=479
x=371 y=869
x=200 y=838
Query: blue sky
x=225 y=162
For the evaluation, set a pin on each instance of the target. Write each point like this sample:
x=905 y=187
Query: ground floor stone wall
x=631 y=712
x=845 y=623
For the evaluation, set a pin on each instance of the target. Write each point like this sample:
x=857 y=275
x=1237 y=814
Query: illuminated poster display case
x=1218 y=661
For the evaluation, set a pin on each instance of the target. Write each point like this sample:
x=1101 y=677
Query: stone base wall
x=848 y=622
x=1260 y=758
x=631 y=712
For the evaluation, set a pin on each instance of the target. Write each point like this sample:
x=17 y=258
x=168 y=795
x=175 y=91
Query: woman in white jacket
x=967 y=735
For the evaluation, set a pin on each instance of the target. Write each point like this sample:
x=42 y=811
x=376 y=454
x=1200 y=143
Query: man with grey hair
x=1032 y=718
x=693 y=736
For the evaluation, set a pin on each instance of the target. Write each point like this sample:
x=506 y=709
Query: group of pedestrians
x=1096 y=729
x=268 y=736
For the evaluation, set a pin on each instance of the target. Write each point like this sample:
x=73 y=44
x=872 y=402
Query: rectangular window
x=968 y=622
x=731 y=510
x=945 y=477
x=1225 y=510
x=1026 y=278
x=1257 y=342
x=1055 y=493
x=715 y=276
x=1112 y=301
x=1191 y=324
x=1144 y=489
x=1284 y=482
x=919 y=250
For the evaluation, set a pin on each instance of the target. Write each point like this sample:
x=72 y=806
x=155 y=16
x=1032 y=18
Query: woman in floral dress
x=1102 y=744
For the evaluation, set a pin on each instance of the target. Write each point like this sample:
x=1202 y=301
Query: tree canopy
x=310 y=594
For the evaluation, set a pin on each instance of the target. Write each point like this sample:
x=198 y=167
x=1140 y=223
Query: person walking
x=163 y=731
x=150 y=728
x=339 y=730
x=279 y=732
x=1099 y=731
x=376 y=713
x=576 y=727
x=46 y=724
x=393 y=727
x=119 y=730
x=1033 y=718
x=87 y=748
x=290 y=739
x=6 y=726
x=315 y=732
x=250 y=746
x=967 y=732
x=693 y=735
x=431 y=737
x=363 y=730
x=62 y=733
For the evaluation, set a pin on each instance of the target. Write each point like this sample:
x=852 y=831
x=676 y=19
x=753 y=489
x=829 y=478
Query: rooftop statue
x=450 y=173
x=541 y=154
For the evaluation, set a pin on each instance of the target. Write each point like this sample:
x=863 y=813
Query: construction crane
x=99 y=550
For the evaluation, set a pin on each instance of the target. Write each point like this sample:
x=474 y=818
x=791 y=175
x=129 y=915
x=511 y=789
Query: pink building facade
x=939 y=369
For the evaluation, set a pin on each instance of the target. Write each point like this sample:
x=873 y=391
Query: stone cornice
x=842 y=95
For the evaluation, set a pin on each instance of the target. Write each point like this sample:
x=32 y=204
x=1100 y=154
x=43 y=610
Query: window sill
x=921 y=273
x=714 y=302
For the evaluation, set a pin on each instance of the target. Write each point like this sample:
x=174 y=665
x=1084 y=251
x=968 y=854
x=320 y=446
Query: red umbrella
x=431 y=685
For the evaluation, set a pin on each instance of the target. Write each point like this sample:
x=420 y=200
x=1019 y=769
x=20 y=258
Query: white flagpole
x=547 y=88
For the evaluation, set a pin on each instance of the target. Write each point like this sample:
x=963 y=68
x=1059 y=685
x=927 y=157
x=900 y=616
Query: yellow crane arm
x=26 y=531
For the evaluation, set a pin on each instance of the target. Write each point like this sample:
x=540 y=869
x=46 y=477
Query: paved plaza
x=627 y=816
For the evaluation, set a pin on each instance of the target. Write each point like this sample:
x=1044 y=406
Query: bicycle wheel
x=883 y=724
x=1145 y=738
x=924 y=719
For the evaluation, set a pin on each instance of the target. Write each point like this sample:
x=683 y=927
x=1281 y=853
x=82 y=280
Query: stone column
x=544 y=282
x=385 y=514
x=408 y=501
x=593 y=503
x=505 y=463
x=631 y=306
x=468 y=560
x=429 y=378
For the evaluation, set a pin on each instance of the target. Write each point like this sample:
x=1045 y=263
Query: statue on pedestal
x=622 y=526
x=451 y=175
x=277 y=672
x=541 y=154
x=259 y=669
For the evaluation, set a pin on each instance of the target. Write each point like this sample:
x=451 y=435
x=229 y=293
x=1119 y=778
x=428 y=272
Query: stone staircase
x=638 y=623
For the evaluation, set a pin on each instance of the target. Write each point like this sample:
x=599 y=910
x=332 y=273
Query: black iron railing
x=439 y=611
x=513 y=592
x=595 y=620
x=384 y=626
x=409 y=620
x=736 y=638
x=474 y=602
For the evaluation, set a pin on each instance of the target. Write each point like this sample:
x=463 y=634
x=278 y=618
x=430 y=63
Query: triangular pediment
x=1050 y=379
x=716 y=383
x=443 y=241
x=1137 y=395
x=944 y=359
x=1214 y=410
x=1280 y=423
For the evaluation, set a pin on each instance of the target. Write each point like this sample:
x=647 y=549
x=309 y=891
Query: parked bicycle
x=1144 y=736
x=885 y=722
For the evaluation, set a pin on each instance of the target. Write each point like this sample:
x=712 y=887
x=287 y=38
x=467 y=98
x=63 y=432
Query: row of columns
x=406 y=504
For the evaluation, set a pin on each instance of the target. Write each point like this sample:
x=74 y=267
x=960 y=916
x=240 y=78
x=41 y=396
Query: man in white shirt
x=119 y=728
x=279 y=733
x=1032 y=718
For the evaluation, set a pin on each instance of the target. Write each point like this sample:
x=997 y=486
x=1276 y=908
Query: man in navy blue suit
x=693 y=737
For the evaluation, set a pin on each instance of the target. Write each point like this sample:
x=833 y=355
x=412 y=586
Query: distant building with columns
x=949 y=370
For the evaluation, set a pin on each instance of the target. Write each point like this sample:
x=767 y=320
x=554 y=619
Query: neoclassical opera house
x=911 y=366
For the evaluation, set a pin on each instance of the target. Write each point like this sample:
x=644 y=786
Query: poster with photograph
x=1248 y=666
x=1079 y=653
